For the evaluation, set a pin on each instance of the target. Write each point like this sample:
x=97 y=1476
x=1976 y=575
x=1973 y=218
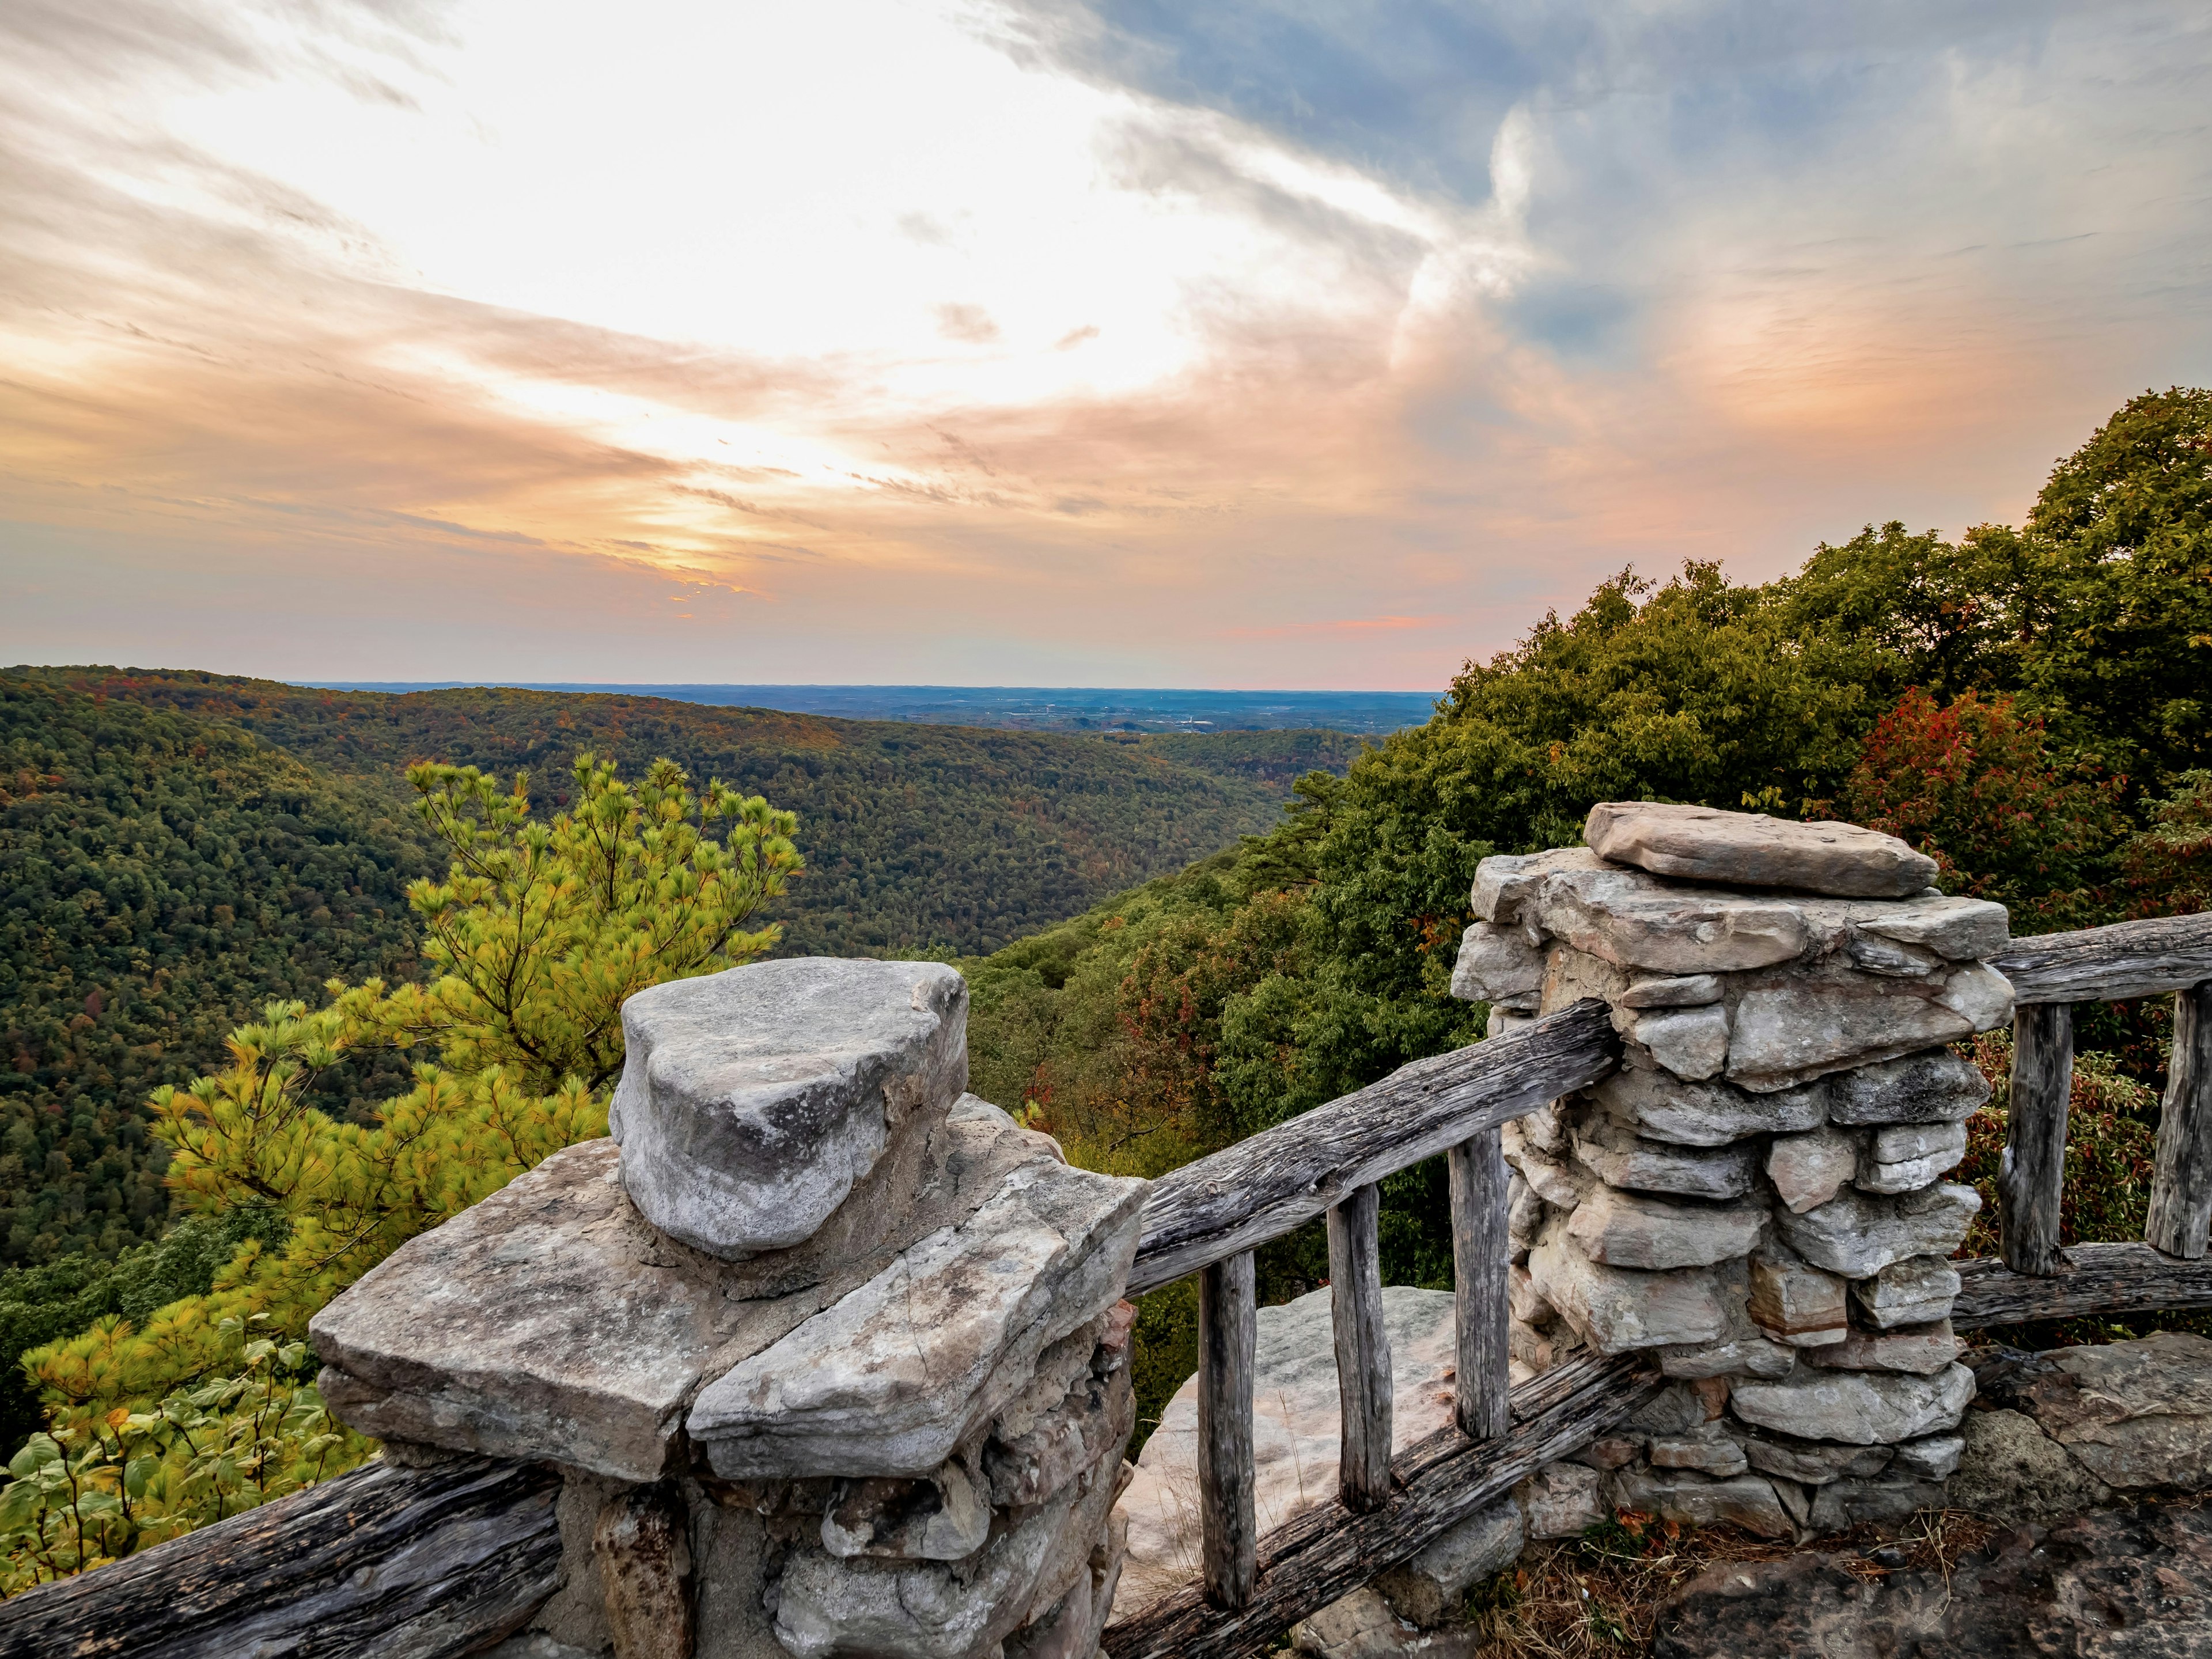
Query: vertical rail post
x=2033 y=1169
x=1481 y=1254
x=2181 y=1182
x=1363 y=1350
x=1228 y=1329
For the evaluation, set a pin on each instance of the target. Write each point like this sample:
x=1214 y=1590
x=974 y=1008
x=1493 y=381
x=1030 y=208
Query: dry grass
x=1599 y=1595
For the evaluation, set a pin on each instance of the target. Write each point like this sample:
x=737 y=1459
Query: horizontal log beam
x=1265 y=1187
x=2110 y=965
x=1329 y=1551
x=389 y=1562
x=2093 y=1279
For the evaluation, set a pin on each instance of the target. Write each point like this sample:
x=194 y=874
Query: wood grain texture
x=2096 y=1278
x=2033 y=1169
x=2107 y=964
x=1481 y=1256
x=1363 y=1350
x=1330 y=1550
x=2181 y=1182
x=394 y=1563
x=1228 y=1331
x=1262 y=1187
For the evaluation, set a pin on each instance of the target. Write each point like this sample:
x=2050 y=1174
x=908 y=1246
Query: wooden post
x=1363 y=1350
x=1481 y=1254
x=1228 y=1527
x=2034 y=1166
x=2181 y=1183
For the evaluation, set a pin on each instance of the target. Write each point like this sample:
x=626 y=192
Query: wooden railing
x=1207 y=1217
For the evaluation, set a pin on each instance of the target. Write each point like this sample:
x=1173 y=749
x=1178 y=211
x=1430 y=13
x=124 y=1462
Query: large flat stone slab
x=753 y=1100
x=901 y=1369
x=551 y=1320
x=1750 y=850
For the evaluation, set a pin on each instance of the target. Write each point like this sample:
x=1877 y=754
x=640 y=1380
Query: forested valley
x=2027 y=704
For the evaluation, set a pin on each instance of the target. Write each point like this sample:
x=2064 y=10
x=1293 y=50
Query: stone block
x=1921 y=1349
x=1646 y=927
x=1886 y=1499
x=1931 y=1459
x=2135 y=1413
x=1708 y=1450
x=1690 y=991
x=1497 y=965
x=1696 y=1500
x=1506 y=884
x=1524 y=1214
x=753 y=1100
x=1750 y=850
x=1808 y=1169
x=1622 y=1159
x=900 y=1371
x=1736 y=1357
x=1813 y=1462
x=1797 y=1303
x=1916 y=1290
x=2014 y=1473
x=1907 y=1156
x=551 y=1320
x=1790 y=1030
x=1956 y=929
x=1692 y=1043
x=1660 y=1107
x=1617 y=1309
x=1550 y=1178
x=1527 y=1305
x=1561 y=1500
x=1632 y=1230
x=1858 y=1234
x=1427 y=1588
x=944 y=1516
x=1861 y=1408
x=1934 y=1086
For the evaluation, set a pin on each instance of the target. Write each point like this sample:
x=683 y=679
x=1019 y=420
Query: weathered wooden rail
x=426 y=1564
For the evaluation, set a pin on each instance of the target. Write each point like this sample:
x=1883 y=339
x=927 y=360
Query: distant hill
x=1027 y=708
x=177 y=848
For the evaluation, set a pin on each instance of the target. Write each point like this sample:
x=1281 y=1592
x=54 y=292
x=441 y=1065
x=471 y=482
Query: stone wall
x=1758 y=1195
x=831 y=1353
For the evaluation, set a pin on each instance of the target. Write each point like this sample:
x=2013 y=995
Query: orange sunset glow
x=1044 y=343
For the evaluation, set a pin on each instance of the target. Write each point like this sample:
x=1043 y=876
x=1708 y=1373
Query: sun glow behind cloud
x=1009 y=342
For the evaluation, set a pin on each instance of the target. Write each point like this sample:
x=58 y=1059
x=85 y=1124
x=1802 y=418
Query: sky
x=1041 y=343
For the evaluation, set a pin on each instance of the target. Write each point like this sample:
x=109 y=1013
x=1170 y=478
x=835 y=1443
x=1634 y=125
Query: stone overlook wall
x=1757 y=1194
x=830 y=1353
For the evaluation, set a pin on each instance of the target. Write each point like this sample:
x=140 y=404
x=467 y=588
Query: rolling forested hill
x=176 y=849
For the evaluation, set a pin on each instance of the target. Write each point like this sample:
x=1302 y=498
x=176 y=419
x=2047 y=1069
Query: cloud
x=405 y=331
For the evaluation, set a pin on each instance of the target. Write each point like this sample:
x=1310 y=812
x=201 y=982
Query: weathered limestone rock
x=1860 y=1408
x=944 y=1516
x=1886 y=1498
x=1697 y=843
x=1793 y=1029
x=1859 y=1234
x=2009 y=1470
x=1922 y=1349
x=1698 y=1500
x=1932 y=1459
x=1808 y=1169
x=1813 y=1462
x=1660 y=1108
x=1693 y=990
x=903 y=1369
x=1956 y=929
x=1943 y=1146
x=1549 y=1177
x=2136 y=1414
x=1561 y=1500
x=1693 y=1043
x=753 y=1100
x=1427 y=1588
x=1364 y=1625
x=1622 y=1159
x=1646 y=927
x=1748 y=1355
x=1934 y=1086
x=1497 y=967
x=1617 y=1309
x=1708 y=1449
x=1795 y=1302
x=1630 y=1229
x=1916 y=1290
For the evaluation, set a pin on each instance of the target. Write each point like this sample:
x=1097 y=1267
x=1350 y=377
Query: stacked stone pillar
x=1757 y=1197
x=831 y=1353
